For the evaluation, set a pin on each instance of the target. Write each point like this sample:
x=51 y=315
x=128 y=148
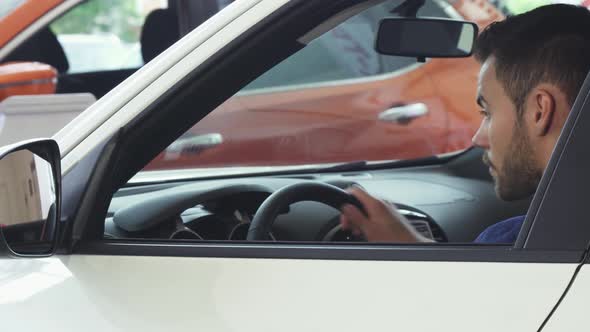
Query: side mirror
x=426 y=37
x=26 y=78
x=30 y=198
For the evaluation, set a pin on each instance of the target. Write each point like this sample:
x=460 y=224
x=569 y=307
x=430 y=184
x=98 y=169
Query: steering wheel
x=321 y=192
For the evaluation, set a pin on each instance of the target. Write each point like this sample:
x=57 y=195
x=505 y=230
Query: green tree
x=120 y=17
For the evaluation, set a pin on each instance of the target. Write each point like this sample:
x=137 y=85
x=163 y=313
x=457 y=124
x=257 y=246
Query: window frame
x=116 y=165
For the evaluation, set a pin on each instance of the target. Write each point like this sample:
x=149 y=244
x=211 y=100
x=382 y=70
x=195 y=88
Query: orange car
x=405 y=110
x=334 y=100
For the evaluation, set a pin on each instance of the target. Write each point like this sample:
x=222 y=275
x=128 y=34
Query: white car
x=176 y=250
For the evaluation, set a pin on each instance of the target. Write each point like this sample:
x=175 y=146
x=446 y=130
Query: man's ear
x=542 y=110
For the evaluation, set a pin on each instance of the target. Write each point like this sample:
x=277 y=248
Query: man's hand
x=383 y=223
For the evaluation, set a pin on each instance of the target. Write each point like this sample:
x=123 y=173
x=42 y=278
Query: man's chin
x=511 y=195
x=501 y=190
x=504 y=196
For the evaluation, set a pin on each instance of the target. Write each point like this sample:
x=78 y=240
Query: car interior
x=448 y=198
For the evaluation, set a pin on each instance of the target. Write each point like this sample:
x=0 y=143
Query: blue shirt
x=503 y=232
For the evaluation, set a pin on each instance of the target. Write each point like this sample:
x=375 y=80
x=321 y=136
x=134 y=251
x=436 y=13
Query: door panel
x=572 y=312
x=129 y=293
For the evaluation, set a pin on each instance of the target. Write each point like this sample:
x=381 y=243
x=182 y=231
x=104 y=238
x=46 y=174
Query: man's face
x=508 y=151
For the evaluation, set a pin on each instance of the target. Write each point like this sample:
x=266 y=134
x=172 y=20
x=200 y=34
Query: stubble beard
x=520 y=175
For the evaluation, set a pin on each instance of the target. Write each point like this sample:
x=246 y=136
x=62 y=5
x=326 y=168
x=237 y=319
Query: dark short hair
x=550 y=44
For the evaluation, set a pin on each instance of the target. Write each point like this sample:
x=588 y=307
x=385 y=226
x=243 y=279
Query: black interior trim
x=96 y=197
x=371 y=252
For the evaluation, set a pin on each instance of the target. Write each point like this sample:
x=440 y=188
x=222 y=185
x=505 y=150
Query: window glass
x=335 y=101
x=104 y=34
x=338 y=100
x=346 y=52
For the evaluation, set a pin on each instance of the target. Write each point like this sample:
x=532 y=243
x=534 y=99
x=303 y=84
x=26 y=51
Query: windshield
x=7 y=6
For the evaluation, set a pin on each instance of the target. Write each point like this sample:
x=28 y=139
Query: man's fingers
x=369 y=202
x=344 y=222
x=347 y=226
x=353 y=216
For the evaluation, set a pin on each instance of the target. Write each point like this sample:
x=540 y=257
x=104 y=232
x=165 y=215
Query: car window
x=386 y=112
x=101 y=35
x=7 y=6
x=346 y=52
x=338 y=100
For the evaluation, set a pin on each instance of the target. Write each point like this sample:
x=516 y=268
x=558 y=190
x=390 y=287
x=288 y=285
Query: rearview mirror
x=29 y=198
x=426 y=37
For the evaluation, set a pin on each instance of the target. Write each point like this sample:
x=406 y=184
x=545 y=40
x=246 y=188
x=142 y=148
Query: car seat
x=159 y=32
x=42 y=47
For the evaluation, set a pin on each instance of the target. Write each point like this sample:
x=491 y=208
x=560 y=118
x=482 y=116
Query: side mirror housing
x=426 y=37
x=30 y=198
x=26 y=78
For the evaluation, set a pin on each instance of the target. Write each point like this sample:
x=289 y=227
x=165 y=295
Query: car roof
x=23 y=16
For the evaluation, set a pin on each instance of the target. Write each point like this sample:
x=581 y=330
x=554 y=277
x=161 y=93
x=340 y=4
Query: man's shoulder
x=503 y=232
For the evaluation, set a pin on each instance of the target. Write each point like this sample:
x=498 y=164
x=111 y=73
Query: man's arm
x=383 y=223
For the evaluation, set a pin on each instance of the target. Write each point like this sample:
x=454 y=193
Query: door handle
x=404 y=114
x=193 y=144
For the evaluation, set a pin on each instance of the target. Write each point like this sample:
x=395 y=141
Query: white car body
x=156 y=293
x=98 y=293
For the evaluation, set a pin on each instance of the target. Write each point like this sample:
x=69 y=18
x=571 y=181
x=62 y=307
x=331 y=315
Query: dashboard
x=439 y=204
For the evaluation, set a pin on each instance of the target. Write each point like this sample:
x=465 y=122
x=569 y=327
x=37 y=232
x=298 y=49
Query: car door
x=568 y=315
x=99 y=284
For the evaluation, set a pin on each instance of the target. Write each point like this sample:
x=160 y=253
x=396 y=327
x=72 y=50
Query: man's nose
x=480 y=138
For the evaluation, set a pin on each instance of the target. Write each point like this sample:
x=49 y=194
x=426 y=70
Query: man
x=533 y=66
